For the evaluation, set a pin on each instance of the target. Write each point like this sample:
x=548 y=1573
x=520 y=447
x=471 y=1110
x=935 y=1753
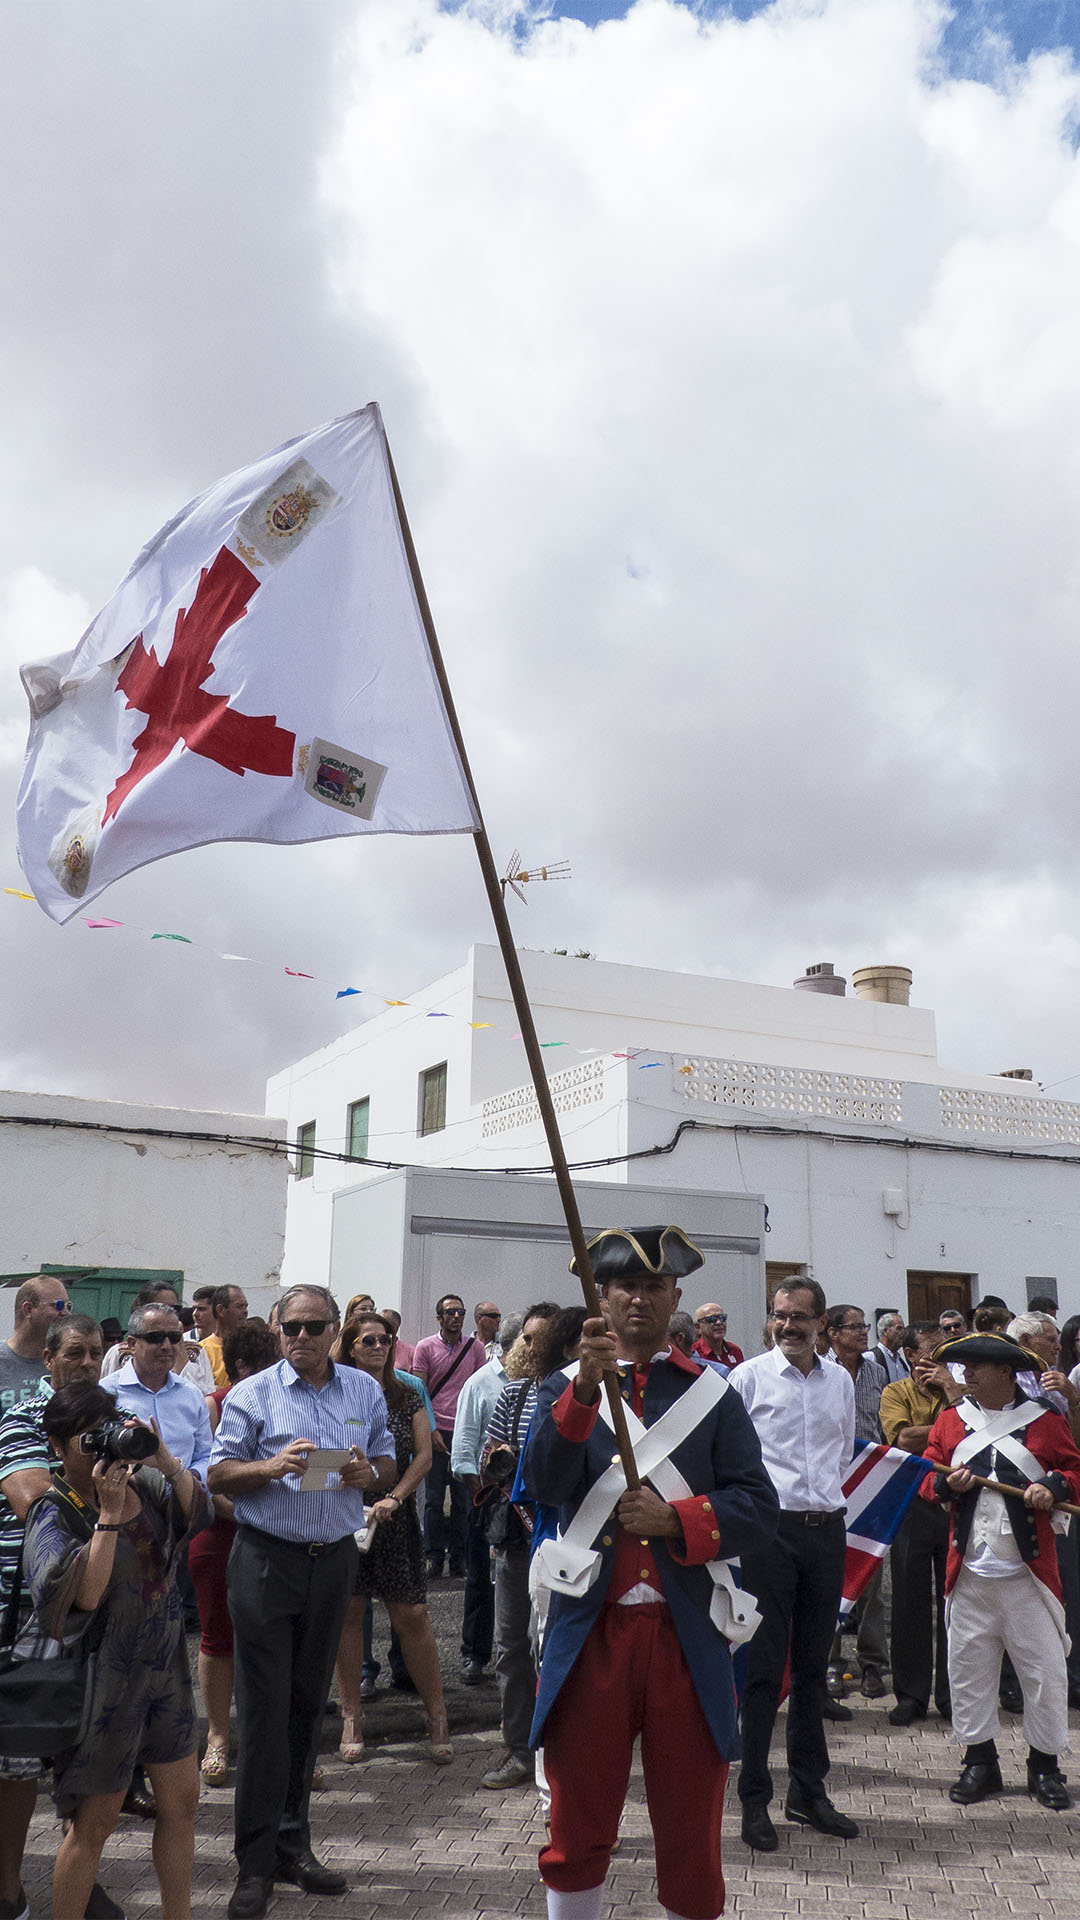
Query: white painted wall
x=72 y=1196
x=967 y=1206
x=413 y=1236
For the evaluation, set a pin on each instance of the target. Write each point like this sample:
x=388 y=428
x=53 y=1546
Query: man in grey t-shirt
x=37 y=1304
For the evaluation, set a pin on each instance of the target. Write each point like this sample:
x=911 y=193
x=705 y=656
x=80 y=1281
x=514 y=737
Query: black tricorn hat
x=998 y=1347
x=624 y=1253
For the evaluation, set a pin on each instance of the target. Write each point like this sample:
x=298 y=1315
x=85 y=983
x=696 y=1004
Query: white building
x=886 y=1178
x=111 y=1196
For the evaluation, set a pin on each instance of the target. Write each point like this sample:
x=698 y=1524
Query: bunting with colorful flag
x=262 y=673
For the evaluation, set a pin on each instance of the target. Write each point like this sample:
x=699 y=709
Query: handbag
x=44 y=1702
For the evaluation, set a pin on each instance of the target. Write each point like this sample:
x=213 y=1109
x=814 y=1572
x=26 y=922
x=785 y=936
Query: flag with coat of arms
x=262 y=673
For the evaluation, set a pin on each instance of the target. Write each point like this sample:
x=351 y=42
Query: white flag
x=262 y=673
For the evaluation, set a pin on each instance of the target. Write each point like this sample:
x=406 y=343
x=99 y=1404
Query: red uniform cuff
x=701 y=1535
x=573 y=1420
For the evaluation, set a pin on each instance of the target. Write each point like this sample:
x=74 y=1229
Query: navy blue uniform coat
x=721 y=1460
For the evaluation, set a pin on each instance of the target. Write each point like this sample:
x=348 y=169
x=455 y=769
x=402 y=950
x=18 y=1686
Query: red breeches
x=631 y=1679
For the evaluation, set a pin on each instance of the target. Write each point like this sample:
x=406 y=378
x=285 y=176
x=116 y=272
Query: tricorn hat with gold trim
x=997 y=1347
x=624 y=1253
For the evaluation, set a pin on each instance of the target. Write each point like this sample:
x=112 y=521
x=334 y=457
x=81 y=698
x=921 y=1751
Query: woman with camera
x=392 y=1570
x=99 y=1558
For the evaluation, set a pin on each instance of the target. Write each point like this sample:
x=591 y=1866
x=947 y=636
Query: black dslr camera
x=116 y=1440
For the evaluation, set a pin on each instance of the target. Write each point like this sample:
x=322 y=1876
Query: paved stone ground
x=416 y=1839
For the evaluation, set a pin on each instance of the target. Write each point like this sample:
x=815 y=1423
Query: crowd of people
x=589 y=1481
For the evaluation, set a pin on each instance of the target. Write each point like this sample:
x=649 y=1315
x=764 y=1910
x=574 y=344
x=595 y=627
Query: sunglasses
x=293 y=1328
x=375 y=1340
x=159 y=1339
x=713 y=1320
x=58 y=1306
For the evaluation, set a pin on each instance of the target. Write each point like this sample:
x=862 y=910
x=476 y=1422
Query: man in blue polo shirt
x=291 y=1572
x=146 y=1387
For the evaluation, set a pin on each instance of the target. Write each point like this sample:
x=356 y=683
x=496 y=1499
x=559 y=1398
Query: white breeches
x=986 y=1618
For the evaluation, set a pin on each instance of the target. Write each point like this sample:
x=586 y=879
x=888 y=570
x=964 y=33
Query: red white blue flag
x=879 y=1487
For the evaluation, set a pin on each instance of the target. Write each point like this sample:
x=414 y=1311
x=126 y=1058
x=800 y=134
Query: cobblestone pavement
x=416 y=1839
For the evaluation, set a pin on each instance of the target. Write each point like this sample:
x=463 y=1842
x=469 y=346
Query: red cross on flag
x=263 y=673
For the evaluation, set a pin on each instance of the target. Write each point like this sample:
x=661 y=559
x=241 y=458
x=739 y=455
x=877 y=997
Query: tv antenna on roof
x=518 y=877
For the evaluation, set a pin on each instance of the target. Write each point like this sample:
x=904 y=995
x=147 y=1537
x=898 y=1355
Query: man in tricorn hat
x=642 y=1608
x=1003 y=1591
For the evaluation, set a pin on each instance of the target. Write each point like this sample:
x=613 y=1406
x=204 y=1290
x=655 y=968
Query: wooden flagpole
x=522 y=1008
x=1017 y=1493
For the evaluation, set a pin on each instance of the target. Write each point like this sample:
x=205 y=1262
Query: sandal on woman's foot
x=215 y=1766
x=439 y=1735
x=352 y=1739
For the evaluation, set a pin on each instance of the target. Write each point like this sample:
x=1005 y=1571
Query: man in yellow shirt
x=230 y=1311
x=908 y=1411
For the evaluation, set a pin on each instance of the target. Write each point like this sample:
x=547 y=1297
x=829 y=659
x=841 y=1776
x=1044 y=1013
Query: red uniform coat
x=1049 y=1439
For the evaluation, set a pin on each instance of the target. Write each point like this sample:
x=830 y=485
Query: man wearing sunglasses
x=291 y=1571
x=712 y=1343
x=147 y=1387
x=37 y=1304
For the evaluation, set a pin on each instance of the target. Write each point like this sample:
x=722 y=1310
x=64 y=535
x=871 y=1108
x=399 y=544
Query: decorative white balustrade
x=1011 y=1116
x=793 y=1092
x=574 y=1088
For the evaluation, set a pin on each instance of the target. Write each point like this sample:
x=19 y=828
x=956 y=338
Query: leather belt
x=311 y=1547
x=811 y=1516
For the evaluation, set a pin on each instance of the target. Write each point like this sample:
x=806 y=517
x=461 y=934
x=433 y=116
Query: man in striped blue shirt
x=291 y=1572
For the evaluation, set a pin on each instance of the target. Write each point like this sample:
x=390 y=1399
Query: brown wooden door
x=930 y=1293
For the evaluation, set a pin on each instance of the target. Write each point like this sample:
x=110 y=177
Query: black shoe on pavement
x=402 y=1683
x=434 y=1569
x=835 y=1710
x=1011 y=1699
x=367 y=1689
x=100 y=1907
x=303 y=1870
x=249 y=1899
x=512 y=1773
x=836 y=1683
x=17 y=1909
x=140 y=1803
x=1049 y=1789
x=906 y=1711
x=944 y=1707
x=758 y=1831
x=472 y=1672
x=980 y=1780
x=873 y=1686
x=820 y=1814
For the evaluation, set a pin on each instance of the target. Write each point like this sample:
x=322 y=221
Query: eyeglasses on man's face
x=159 y=1339
x=292 y=1329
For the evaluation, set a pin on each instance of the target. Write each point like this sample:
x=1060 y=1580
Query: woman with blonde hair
x=392 y=1570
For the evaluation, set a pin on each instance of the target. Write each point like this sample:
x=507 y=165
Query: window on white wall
x=356 y=1132
x=305 y=1151
x=431 y=1117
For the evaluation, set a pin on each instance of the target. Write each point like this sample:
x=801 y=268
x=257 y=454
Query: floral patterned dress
x=141 y=1711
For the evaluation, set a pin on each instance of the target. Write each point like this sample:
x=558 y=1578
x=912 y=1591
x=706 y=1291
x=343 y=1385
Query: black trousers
x=918 y=1608
x=288 y=1608
x=797 y=1584
x=478 y=1612
x=435 y=1541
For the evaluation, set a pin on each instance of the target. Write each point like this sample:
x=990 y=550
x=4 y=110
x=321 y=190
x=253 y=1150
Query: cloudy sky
x=730 y=361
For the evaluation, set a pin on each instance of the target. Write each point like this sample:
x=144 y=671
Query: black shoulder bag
x=45 y=1703
x=505 y=1525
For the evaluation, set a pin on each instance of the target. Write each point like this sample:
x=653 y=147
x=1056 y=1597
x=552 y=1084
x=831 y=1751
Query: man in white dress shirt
x=804 y=1415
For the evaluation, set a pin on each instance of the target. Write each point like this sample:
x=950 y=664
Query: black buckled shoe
x=906 y=1712
x=758 y=1831
x=835 y=1710
x=303 y=1870
x=820 y=1814
x=250 y=1898
x=1049 y=1789
x=980 y=1780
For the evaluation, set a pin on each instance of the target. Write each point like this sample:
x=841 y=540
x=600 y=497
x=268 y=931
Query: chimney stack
x=822 y=979
x=889 y=984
